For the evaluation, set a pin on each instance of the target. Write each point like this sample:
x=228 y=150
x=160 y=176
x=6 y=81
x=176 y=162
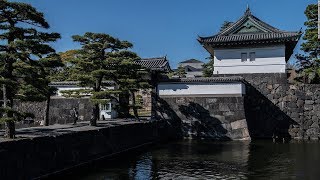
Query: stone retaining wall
x=220 y=118
x=60 y=111
x=40 y=156
x=273 y=107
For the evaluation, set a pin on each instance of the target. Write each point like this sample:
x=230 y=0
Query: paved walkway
x=59 y=129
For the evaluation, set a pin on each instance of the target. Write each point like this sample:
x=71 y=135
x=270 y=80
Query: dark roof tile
x=268 y=33
x=206 y=79
x=192 y=61
x=155 y=64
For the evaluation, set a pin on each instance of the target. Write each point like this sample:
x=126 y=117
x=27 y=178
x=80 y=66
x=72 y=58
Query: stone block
x=270 y=96
x=309 y=102
x=300 y=103
x=308 y=107
x=227 y=126
x=239 y=124
x=294 y=87
x=224 y=107
x=315 y=125
x=220 y=118
x=211 y=100
x=294 y=115
x=316 y=108
x=228 y=113
x=292 y=105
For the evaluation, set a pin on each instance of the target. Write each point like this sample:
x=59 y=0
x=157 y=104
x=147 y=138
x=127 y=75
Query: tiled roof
x=264 y=33
x=155 y=64
x=191 y=61
x=206 y=79
x=243 y=38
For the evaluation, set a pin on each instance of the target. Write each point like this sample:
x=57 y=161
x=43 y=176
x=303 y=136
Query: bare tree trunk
x=134 y=107
x=94 y=115
x=9 y=125
x=47 y=111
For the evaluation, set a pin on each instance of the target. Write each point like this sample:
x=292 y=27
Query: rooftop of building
x=155 y=64
x=205 y=79
x=191 y=61
x=250 y=30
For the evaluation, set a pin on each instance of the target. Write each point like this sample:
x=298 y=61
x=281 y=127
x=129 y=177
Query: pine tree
x=47 y=66
x=208 y=68
x=22 y=44
x=181 y=72
x=102 y=57
x=309 y=62
x=131 y=78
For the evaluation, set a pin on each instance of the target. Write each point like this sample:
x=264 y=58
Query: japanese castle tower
x=250 y=46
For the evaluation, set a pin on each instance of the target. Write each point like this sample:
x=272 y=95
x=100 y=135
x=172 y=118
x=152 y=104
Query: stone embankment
x=273 y=105
x=41 y=151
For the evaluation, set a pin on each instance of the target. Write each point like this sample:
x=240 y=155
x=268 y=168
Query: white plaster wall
x=194 y=74
x=201 y=89
x=66 y=88
x=268 y=60
x=72 y=87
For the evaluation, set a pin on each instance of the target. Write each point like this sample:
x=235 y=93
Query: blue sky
x=162 y=27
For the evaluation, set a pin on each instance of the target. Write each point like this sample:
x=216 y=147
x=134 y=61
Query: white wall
x=66 y=88
x=194 y=74
x=72 y=87
x=268 y=60
x=201 y=89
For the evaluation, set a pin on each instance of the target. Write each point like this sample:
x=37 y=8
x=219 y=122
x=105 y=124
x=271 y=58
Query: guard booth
x=107 y=111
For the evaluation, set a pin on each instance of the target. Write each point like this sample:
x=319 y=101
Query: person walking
x=75 y=115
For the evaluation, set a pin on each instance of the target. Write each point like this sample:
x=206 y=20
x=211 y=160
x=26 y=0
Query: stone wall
x=220 y=118
x=275 y=107
x=60 y=111
x=40 y=156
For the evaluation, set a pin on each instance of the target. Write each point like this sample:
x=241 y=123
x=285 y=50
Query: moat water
x=213 y=160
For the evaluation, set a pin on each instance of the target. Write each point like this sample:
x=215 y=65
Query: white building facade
x=202 y=87
x=250 y=60
x=250 y=46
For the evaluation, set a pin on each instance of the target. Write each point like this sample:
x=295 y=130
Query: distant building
x=250 y=46
x=107 y=111
x=192 y=67
x=158 y=64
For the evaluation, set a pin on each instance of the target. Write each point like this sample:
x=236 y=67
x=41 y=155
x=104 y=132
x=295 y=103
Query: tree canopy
x=308 y=62
x=208 y=68
x=104 y=58
x=22 y=44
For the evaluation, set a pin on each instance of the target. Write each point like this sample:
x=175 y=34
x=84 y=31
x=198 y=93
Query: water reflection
x=216 y=160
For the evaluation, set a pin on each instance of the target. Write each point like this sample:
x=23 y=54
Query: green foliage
x=103 y=57
x=181 y=72
x=309 y=63
x=311 y=44
x=208 y=68
x=25 y=55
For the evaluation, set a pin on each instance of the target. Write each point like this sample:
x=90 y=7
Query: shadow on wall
x=165 y=112
x=264 y=118
x=200 y=124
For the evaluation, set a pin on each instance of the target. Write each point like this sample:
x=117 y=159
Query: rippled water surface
x=212 y=160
